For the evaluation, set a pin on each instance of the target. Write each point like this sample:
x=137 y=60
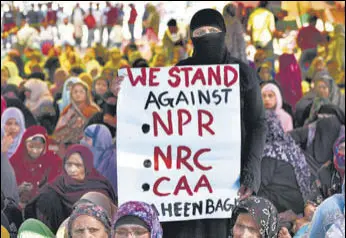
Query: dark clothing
x=279 y=185
x=33 y=17
x=211 y=49
x=303 y=108
x=64 y=192
x=8 y=18
x=318 y=143
x=12 y=215
x=52 y=216
x=252 y=122
x=52 y=64
x=8 y=179
x=98 y=117
x=328 y=183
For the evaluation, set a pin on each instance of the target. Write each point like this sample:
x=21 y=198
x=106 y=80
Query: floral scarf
x=263 y=212
x=143 y=211
x=281 y=146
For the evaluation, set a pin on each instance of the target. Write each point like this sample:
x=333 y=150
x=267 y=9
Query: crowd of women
x=58 y=139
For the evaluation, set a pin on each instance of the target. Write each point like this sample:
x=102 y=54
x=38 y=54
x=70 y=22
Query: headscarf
x=15 y=57
x=71 y=190
x=66 y=95
x=41 y=170
x=212 y=45
x=101 y=200
x=282 y=147
x=211 y=48
x=3 y=105
x=332 y=109
x=34 y=228
x=94 y=211
x=104 y=152
x=8 y=179
x=335 y=95
x=339 y=159
x=263 y=212
x=93 y=65
x=284 y=117
x=14 y=113
x=317 y=103
x=90 y=107
x=96 y=198
x=86 y=78
x=144 y=212
x=290 y=78
x=40 y=101
x=29 y=118
x=13 y=72
x=313 y=70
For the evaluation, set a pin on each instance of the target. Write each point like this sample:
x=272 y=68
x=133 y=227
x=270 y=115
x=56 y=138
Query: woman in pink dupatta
x=290 y=79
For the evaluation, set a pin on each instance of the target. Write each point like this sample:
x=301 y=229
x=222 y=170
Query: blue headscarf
x=14 y=113
x=66 y=93
x=104 y=151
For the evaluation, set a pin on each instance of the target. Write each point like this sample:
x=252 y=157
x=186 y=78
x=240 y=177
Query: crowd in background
x=59 y=120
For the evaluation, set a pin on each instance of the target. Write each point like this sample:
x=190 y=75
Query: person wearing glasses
x=137 y=219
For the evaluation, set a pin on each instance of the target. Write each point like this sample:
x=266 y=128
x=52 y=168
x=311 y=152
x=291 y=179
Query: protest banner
x=179 y=140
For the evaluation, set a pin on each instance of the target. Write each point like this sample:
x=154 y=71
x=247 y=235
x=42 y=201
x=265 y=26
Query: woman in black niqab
x=210 y=49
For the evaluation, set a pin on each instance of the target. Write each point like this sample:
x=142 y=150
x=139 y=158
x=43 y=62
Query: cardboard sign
x=179 y=140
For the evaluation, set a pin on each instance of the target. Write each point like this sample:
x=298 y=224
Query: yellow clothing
x=28 y=65
x=261 y=24
x=4 y=233
x=13 y=72
x=305 y=87
x=117 y=66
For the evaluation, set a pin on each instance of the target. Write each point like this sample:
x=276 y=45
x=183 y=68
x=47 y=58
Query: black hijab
x=210 y=48
x=332 y=109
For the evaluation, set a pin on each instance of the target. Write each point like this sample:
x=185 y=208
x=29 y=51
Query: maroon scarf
x=71 y=190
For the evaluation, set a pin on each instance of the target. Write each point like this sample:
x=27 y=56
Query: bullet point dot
x=147 y=163
x=145 y=128
x=145 y=187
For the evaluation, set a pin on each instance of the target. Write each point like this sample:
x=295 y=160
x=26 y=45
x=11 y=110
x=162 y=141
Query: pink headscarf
x=290 y=79
x=284 y=117
x=3 y=105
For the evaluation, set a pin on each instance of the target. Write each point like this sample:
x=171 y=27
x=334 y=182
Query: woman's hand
x=244 y=192
x=6 y=143
x=284 y=233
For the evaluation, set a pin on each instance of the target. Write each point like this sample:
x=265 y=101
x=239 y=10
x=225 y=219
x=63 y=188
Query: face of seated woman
x=87 y=226
x=74 y=167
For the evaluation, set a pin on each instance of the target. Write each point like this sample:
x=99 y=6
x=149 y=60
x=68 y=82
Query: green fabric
x=305 y=18
x=34 y=228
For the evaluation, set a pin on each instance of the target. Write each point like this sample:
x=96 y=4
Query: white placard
x=179 y=140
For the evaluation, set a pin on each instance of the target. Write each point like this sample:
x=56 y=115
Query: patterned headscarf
x=339 y=159
x=144 y=212
x=91 y=210
x=263 y=212
x=282 y=147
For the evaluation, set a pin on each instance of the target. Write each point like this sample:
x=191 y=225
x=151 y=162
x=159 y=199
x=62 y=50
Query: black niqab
x=210 y=48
